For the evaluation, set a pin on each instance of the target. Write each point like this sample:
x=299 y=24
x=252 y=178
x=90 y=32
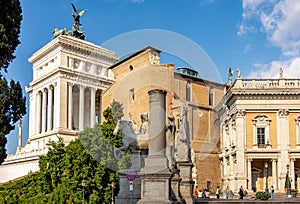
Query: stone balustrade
x=266 y=83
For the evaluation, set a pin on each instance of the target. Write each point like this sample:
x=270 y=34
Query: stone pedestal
x=175 y=188
x=126 y=196
x=156 y=176
x=186 y=183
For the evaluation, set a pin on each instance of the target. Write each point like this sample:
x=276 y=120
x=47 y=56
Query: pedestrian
x=241 y=193
x=195 y=192
x=218 y=192
x=272 y=192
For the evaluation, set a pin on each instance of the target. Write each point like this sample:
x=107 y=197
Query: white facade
x=260 y=134
x=69 y=76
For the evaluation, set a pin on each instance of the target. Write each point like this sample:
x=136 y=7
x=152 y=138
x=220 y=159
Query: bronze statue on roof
x=76 y=28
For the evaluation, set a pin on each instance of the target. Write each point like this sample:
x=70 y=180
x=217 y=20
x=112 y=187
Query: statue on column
x=170 y=136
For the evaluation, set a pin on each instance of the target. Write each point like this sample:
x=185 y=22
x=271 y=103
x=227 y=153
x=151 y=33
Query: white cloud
x=290 y=69
x=279 y=20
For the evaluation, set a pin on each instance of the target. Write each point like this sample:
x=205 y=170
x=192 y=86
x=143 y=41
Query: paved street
x=279 y=198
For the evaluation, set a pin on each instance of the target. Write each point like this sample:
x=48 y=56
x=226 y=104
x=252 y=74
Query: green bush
x=262 y=195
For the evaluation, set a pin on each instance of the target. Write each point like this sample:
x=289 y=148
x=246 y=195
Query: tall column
x=155 y=175
x=274 y=173
x=38 y=112
x=93 y=114
x=81 y=107
x=20 y=136
x=157 y=127
x=283 y=134
x=44 y=106
x=50 y=116
x=292 y=176
x=70 y=106
x=249 y=172
x=241 y=176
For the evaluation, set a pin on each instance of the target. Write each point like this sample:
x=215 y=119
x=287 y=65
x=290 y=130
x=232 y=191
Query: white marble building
x=69 y=76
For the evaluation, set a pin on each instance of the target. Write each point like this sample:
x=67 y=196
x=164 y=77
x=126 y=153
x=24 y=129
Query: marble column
x=274 y=174
x=70 y=105
x=155 y=175
x=93 y=114
x=44 y=109
x=38 y=112
x=50 y=104
x=249 y=174
x=81 y=107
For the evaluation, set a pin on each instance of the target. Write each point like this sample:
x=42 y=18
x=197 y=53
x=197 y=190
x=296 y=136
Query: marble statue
x=145 y=126
x=183 y=137
x=130 y=139
x=170 y=136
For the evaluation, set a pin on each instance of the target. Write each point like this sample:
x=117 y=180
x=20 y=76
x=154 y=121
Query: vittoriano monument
x=76 y=28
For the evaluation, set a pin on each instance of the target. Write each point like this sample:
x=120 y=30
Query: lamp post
x=288 y=192
x=266 y=170
x=112 y=192
x=83 y=185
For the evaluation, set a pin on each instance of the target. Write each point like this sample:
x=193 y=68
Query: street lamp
x=266 y=169
x=83 y=185
x=288 y=192
x=112 y=192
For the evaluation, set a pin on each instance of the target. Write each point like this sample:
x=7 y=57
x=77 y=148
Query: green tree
x=12 y=108
x=10 y=24
x=12 y=102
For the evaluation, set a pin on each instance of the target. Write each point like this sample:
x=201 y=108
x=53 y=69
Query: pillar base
x=155 y=180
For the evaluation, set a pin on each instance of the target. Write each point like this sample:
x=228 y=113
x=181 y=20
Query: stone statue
x=170 y=136
x=130 y=139
x=183 y=137
x=281 y=73
x=230 y=74
x=238 y=71
x=145 y=126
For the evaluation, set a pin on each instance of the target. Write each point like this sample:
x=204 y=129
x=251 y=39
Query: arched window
x=261 y=131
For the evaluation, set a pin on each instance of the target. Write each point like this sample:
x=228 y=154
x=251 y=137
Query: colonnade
x=81 y=108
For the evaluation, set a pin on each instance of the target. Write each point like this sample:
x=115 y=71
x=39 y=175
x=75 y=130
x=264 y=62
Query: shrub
x=262 y=195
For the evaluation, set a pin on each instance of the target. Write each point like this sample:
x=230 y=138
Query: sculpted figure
x=182 y=138
x=171 y=130
x=57 y=32
x=230 y=74
x=130 y=139
x=144 y=127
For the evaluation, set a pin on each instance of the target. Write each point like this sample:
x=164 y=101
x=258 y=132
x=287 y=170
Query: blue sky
x=258 y=36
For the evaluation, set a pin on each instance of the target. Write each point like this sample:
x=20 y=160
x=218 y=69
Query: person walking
x=218 y=192
x=272 y=192
x=195 y=192
x=241 y=193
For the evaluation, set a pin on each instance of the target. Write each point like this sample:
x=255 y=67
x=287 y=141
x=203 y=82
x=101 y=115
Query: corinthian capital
x=240 y=113
x=283 y=112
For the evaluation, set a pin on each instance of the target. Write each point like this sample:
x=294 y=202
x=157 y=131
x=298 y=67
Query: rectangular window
x=261 y=136
x=211 y=97
x=131 y=95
